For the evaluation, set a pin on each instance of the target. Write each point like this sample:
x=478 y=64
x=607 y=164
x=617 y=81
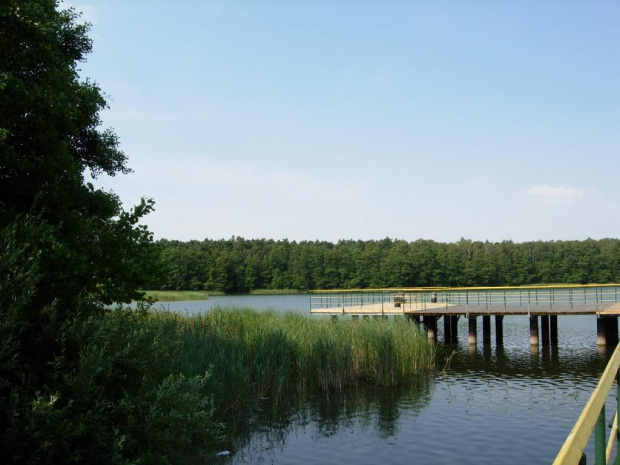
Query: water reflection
x=508 y=401
x=320 y=418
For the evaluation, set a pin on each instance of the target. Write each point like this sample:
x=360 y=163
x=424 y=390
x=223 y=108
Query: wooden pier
x=542 y=304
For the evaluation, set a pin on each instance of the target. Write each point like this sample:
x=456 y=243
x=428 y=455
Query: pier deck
x=542 y=304
x=441 y=309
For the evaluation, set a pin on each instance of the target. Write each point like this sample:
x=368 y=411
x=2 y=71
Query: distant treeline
x=240 y=265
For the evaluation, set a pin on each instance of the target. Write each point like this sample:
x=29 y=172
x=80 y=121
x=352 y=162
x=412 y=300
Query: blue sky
x=364 y=119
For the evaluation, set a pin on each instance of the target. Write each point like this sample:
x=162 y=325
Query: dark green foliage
x=241 y=266
x=119 y=403
x=66 y=250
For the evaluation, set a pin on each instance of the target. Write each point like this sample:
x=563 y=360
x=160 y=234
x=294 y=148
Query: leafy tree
x=67 y=248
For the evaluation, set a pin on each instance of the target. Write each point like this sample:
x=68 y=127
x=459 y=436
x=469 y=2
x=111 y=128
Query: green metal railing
x=593 y=419
x=594 y=297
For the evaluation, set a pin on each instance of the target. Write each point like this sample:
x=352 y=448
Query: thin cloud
x=560 y=194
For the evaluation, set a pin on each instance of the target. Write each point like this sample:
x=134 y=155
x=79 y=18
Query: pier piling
x=499 y=330
x=534 y=340
x=544 y=329
x=553 y=326
x=486 y=329
x=447 y=329
x=454 y=326
x=472 y=335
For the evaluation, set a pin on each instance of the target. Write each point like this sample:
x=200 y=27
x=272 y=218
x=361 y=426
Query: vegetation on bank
x=165 y=388
x=242 y=266
x=174 y=296
x=275 y=291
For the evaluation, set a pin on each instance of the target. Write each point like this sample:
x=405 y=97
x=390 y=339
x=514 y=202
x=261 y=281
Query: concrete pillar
x=486 y=329
x=601 y=331
x=612 y=330
x=454 y=325
x=430 y=322
x=447 y=329
x=534 y=340
x=499 y=330
x=553 y=327
x=472 y=335
x=544 y=329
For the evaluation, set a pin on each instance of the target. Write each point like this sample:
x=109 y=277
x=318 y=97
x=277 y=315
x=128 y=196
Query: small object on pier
x=399 y=298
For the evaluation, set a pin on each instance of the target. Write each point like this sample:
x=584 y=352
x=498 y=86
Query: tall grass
x=254 y=354
x=163 y=388
x=173 y=296
x=275 y=291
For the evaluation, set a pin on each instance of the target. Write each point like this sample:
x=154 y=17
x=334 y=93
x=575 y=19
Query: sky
x=322 y=120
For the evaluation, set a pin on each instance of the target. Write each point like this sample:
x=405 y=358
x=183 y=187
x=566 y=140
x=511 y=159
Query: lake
x=487 y=406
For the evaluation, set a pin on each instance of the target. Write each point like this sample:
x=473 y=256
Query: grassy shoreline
x=150 y=384
x=173 y=296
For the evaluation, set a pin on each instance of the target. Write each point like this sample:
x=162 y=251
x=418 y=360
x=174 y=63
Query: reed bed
x=174 y=296
x=252 y=354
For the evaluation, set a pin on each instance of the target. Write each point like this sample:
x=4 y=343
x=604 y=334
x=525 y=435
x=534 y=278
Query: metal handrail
x=592 y=418
x=551 y=296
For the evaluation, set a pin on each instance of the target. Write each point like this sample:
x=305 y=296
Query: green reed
x=253 y=354
x=173 y=296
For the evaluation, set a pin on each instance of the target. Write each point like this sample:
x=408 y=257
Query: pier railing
x=369 y=298
x=593 y=419
x=590 y=298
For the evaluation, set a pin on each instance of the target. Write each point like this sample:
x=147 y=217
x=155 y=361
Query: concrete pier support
x=606 y=330
x=544 y=329
x=486 y=329
x=601 y=333
x=612 y=330
x=430 y=323
x=553 y=327
x=499 y=330
x=534 y=340
x=447 y=329
x=454 y=325
x=472 y=335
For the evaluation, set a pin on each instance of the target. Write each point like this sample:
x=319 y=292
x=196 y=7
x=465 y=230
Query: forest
x=238 y=265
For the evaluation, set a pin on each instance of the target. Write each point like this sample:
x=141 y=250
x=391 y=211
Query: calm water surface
x=488 y=406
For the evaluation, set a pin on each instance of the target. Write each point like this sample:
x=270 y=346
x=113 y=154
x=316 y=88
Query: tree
x=67 y=248
x=50 y=139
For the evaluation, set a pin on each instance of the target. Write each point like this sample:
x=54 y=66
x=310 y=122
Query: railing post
x=599 y=439
x=617 y=460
